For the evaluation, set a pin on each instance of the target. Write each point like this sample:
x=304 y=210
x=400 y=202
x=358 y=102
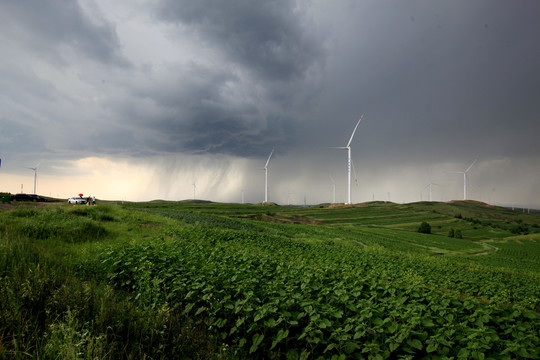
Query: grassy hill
x=197 y=279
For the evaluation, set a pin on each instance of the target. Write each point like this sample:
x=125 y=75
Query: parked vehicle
x=27 y=197
x=76 y=200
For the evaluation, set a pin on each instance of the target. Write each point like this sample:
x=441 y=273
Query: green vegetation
x=206 y=280
x=424 y=228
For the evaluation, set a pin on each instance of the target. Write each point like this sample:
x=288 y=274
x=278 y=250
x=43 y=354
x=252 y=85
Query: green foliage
x=189 y=281
x=48 y=312
x=5 y=197
x=451 y=233
x=457 y=234
x=424 y=228
x=520 y=229
x=320 y=298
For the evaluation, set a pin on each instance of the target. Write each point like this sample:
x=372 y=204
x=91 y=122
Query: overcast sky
x=141 y=99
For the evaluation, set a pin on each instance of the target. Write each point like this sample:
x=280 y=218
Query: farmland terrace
x=188 y=279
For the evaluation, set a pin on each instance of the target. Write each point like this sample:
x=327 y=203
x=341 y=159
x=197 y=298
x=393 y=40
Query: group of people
x=91 y=200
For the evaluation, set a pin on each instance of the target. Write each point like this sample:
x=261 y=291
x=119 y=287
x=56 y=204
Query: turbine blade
x=338 y=147
x=470 y=166
x=358 y=123
x=265 y=166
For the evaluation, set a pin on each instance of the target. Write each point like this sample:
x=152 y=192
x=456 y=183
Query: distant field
x=206 y=280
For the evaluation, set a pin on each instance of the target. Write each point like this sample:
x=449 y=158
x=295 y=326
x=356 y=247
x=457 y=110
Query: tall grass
x=51 y=309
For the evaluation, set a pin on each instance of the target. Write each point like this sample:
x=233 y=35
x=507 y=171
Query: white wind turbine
x=35 y=175
x=348 y=148
x=266 y=177
x=430 y=185
x=464 y=178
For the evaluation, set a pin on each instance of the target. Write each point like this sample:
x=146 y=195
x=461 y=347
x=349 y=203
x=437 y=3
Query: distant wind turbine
x=464 y=178
x=35 y=175
x=266 y=177
x=348 y=148
x=194 y=187
x=430 y=189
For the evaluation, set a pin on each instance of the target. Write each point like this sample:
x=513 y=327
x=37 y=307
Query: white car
x=76 y=200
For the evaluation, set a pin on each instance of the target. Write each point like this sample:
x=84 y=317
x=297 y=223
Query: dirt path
x=490 y=249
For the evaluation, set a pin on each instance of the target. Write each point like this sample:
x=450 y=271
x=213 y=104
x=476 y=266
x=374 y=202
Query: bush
x=451 y=233
x=424 y=228
x=457 y=234
x=5 y=197
x=520 y=230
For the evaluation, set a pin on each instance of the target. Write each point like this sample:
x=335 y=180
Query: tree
x=451 y=233
x=424 y=228
x=457 y=234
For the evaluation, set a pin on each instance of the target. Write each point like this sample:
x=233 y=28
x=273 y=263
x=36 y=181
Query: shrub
x=520 y=230
x=424 y=228
x=451 y=233
x=457 y=234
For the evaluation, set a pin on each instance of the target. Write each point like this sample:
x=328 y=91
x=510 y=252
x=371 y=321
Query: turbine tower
x=430 y=189
x=464 y=178
x=266 y=177
x=348 y=148
x=35 y=175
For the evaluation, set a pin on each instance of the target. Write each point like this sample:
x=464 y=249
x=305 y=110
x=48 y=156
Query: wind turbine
x=266 y=177
x=348 y=148
x=35 y=175
x=464 y=178
x=194 y=187
x=333 y=189
x=430 y=189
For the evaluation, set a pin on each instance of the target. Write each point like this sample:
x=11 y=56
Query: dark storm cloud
x=249 y=98
x=205 y=109
x=45 y=26
x=268 y=37
x=441 y=82
x=438 y=80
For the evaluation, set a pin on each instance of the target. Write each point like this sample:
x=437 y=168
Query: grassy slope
x=71 y=301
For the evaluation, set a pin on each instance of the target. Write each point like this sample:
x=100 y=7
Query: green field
x=163 y=280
